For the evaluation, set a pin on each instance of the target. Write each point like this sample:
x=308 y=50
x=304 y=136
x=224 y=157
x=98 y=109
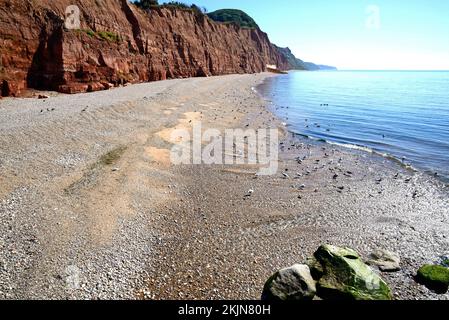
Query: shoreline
x=93 y=191
x=316 y=140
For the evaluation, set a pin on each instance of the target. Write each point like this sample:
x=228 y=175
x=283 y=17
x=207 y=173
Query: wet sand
x=91 y=206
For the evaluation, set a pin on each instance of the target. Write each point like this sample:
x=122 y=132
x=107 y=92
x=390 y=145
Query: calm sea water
x=400 y=114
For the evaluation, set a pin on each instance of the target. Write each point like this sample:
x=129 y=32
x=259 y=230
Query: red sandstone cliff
x=118 y=43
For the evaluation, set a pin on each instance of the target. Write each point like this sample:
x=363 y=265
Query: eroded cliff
x=117 y=43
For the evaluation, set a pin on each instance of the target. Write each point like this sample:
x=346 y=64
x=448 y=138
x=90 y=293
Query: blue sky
x=355 y=34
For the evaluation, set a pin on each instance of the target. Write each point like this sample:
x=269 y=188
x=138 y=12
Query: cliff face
x=294 y=63
x=118 y=43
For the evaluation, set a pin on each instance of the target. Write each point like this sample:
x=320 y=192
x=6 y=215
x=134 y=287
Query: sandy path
x=90 y=206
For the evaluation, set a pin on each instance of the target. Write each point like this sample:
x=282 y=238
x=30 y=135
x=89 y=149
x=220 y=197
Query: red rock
x=96 y=86
x=107 y=85
x=73 y=87
x=11 y=88
x=37 y=52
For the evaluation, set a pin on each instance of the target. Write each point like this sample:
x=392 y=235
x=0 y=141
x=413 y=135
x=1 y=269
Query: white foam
x=355 y=147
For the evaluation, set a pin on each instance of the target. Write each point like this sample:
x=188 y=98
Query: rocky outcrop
x=298 y=64
x=118 y=43
x=294 y=63
x=310 y=66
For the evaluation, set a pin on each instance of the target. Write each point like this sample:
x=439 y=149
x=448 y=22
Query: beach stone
x=294 y=283
x=385 y=260
x=316 y=269
x=434 y=277
x=347 y=277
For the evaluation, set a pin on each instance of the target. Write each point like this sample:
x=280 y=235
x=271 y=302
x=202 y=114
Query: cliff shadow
x=47 y=69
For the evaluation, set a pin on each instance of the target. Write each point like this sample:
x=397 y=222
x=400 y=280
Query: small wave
x=361 y=148
x=372 y=151
x=352 y=146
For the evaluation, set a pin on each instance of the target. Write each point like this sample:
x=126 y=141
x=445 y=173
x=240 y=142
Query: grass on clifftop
x=152 y=4
x=235 y=16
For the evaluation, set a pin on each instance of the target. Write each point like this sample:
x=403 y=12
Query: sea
x=397 y=114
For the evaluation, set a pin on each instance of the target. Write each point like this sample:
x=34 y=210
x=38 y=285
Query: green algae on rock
x=434 y=277
x=347 y=277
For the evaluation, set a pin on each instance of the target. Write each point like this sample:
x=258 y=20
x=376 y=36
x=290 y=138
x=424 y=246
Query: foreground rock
x=385 y=260
x=294 y=283
x=434 y=277
x=346 y=276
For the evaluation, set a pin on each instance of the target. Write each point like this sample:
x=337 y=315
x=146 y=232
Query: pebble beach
x=92 y=208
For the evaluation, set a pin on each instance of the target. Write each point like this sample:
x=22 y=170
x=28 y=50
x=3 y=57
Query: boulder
x=347 y=277
x=72 y=88
x=294 y=283
x=95 y=86
x=316 y=270
x=434 y=277
x=385 y=260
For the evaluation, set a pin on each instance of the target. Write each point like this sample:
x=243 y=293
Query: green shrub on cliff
x=235 y=16
x=90 y=33
x=146 y=4
x=109 y=36
x=176 y=4
x=104 y=35
x=184 y=6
